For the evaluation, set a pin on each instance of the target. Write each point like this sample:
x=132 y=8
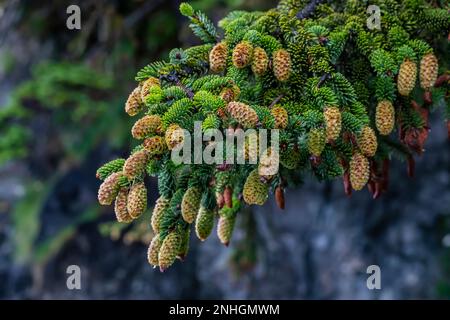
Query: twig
x=309 y=9
x=188 y=91
x=141 y=13
x=277 y=99
x=323 y=78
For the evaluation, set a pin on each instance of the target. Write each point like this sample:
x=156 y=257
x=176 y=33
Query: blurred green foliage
x=68 y=95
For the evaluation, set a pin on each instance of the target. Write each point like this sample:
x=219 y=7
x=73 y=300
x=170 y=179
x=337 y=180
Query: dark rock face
x=319 y=248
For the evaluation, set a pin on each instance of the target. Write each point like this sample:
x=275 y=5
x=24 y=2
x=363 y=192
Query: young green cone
x=150 y=124
x=204 y=223
x=120 y=206
x=190 y=204
x=260 y=61
x=385 y=117
x=135 y=164
x=218 y=57
x=282 y=65
x=109 y=189
x=407 y=76
x=316 y=141
x=137 y=200
x=428 y=71
x=153 y=250
x=359 y=171
x=242 y=55
x=243 y=113
x=225 y=228
x=367 y=142
x=134 y=103
x=333 y=123
x=255 y=191
x=169 y=250
x=158 y=213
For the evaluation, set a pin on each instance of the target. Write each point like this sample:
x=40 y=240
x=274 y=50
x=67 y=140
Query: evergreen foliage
x=332 y=77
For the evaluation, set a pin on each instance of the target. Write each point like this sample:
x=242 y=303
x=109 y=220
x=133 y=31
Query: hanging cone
x=279 y=197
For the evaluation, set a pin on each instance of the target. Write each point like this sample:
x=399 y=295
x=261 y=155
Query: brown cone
x=279 y=197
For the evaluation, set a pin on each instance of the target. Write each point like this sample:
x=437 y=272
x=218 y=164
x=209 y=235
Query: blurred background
x=62 y=94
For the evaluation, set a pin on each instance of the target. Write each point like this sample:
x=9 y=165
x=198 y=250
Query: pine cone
x=255 y=191
x=290 y=158
x=204 y=223
x=155 y=145
x=227 y=95
x=147 y=85
x=218 y=57
x=367 y=142
x=174 y=136
x=120 y=206
x=169 y=250
x=428 y=71
x=184 y=246
x=243 y=113
x=230 y=94
x=225 y=228
x=333 y=123
x=316 y=142
x=153 y=250
x=134 y=103
x=282 y=65
x=109 y=189
x=359 y=171
x=260 y=61
x=108 y=168
x=242 y=55
x=135 y=164
x=146 y=126
x=137 y=200
x=269 y=163
x=251 y=147
x=190 y=204
x=385 y=117
x=407 y=76
x=281 y=117
x=279 y=197
x=158 y=213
